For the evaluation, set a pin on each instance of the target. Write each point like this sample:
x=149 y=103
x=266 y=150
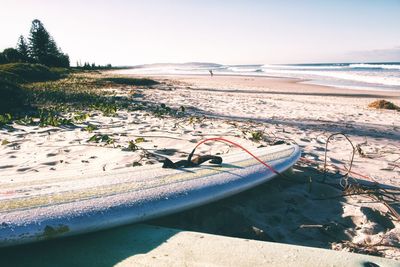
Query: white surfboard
x=39 y=207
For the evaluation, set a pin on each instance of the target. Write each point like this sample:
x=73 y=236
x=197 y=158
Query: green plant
x=163 y=109
x=81 y=116
x=5 y=119
x=27 y=72
x=107 y=109
x=139 y=140
x=257 y=136
x=12 y=97
x=101 y=138
x=383 y=104
x=130 y=81
x=27 y=120
x=50 y=118
x=5 y=142
x=132 y=146
x=193 y=120
x=90 y=128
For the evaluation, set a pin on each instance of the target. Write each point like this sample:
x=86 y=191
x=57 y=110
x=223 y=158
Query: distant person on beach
x=211 y=73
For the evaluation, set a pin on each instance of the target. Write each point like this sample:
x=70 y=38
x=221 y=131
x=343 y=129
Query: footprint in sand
x=51 y=163
x=168 y=152
x=7 y=166
x=24 y=169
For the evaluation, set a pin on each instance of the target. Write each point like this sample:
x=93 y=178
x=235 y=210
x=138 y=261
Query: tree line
x=93 y=66
x=40 y=47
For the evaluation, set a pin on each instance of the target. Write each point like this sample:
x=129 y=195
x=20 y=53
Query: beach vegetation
x=136 y=164
x=38 y=95
x=163 y=110
x=384 y=104
x=26 y=120
x=5 y=119
x=81 y=116
x=11 y=55
x=12 y=97
x=90 y=128
x=9 y=77
x=108 y=109
x=27 y=72
x=131 y=81
x=132 y=146
x=4 y=142
x=50 y=117
x=194 y=119
x=140 y=140
x=78 y=92
x=101 y=138
x=257 y=136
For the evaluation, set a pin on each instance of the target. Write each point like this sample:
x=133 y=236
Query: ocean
x=363 y=76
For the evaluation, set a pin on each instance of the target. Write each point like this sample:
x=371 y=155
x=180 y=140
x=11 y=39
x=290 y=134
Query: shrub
x=10 y=55
x=29 y=72
x=11 y=97
x=10 y=77
x=131 y=81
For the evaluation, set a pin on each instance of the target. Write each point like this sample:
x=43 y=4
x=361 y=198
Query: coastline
x=281 y=85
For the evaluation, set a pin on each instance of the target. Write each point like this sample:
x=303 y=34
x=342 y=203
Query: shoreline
x=303 y=84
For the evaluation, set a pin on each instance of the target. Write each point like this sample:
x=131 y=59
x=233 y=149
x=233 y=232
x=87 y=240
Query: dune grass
x=26 y=72
x=131 y=81
x=70 y=100
x=12 y=97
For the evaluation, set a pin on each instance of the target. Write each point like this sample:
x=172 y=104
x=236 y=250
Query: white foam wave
x=375 y=66
x=371 y=79
x=305 y=67
x=244 y=69
x=361 y=73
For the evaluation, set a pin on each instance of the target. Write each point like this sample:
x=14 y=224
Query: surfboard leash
x=193 y=162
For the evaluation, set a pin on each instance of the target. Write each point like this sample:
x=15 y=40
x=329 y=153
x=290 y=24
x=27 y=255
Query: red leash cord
x=223 y=140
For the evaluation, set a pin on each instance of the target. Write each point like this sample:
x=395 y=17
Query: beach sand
x=308 y=209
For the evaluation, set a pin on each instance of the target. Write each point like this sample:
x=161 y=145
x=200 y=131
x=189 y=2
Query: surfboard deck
x=39 y=207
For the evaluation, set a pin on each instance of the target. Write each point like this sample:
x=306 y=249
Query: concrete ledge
x=144 y=245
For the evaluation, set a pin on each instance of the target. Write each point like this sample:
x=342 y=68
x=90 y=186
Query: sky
x=130 y=32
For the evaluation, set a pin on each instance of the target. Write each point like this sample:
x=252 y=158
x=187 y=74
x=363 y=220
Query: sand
x=305 y=210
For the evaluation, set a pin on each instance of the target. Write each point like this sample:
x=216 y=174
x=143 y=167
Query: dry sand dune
x=303 y=210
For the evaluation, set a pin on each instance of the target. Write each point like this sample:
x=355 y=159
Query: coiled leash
x=194 y=162
x=191 y=162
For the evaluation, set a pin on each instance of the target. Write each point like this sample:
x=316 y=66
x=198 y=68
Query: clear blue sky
x=124 y=32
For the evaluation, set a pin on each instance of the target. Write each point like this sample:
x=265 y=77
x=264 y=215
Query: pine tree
x=22 y=47
x=39 y=40
x=43 y=48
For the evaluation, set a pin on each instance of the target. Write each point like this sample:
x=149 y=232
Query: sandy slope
x=294 y=211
